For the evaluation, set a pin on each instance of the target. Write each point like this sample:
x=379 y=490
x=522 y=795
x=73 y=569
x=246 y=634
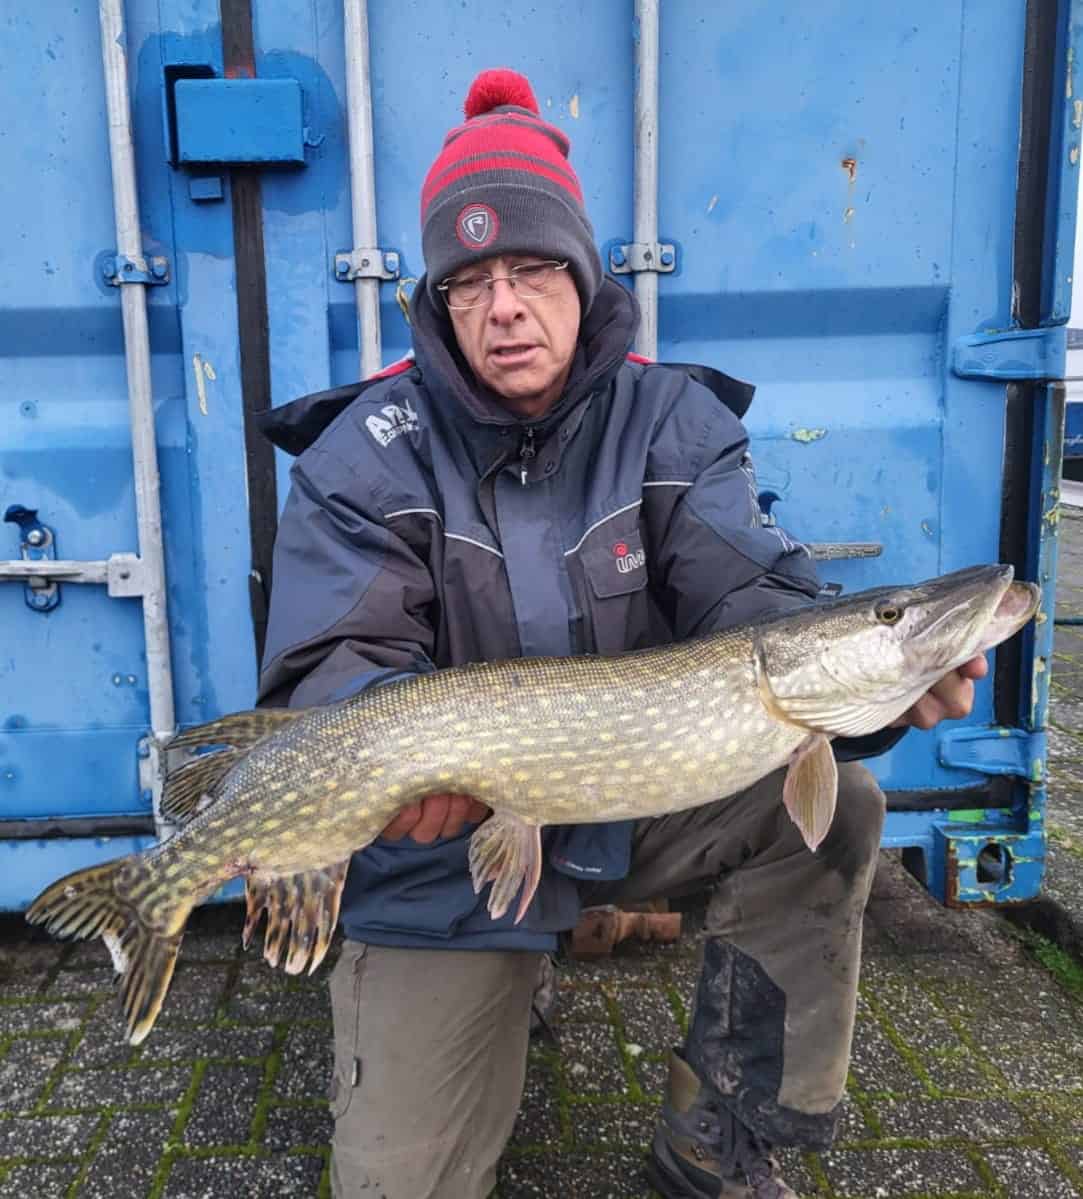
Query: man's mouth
x=513 y=353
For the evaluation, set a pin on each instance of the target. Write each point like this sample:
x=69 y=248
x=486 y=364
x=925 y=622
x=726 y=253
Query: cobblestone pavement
x=966 y=1082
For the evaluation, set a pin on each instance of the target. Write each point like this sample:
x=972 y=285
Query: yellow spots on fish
x=173 y=869
x=363 y=812
x=535 y=793
x=606 y=737
x=732 y=747
x=348 y=796
x=246 y=844
x=520 y=776
x=270 y=825
x=309 y=808
x=445 y=776
x=466 y=746
x=706 y=722
x=331 y=784
x=474 y=765
x=677 y=755
x=652 y=711
x=528 y=741
x=289 y=797
x=691 y=766
x=394 y=789
x=557 y=775
x=665 y=745
x=256 y=806
x=620 y=764
x=566 y=754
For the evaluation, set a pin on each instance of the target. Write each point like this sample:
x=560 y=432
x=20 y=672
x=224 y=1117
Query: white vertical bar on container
x=362 y=177
x=646 y=169
x=133 y=304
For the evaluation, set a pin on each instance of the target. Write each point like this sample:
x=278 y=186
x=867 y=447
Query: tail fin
x=108 y=901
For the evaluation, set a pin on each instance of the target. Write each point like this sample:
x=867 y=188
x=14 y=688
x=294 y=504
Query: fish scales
x=540 y=741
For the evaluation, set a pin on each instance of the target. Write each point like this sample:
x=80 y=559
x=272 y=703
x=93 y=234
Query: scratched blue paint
x=840 y=184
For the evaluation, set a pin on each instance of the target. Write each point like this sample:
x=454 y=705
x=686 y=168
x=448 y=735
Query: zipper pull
x=526 y=452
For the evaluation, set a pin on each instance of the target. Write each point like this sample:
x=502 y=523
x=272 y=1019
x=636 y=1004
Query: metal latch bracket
x=369 y=262
x=634 y=257
x=993 y=749
x=1011 y=354
x=37 y=545
x=117 y=269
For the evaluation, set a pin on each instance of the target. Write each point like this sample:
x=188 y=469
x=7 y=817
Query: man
x=522 y=488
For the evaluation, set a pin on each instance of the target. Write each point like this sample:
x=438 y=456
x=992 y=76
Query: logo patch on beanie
x=477 y=226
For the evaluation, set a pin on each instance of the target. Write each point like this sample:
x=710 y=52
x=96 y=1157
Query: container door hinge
x=636 y=256
x=367 y=263
x=1011 y=354
x=992 y=749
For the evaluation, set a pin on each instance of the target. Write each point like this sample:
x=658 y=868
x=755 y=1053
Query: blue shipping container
x=870 y=211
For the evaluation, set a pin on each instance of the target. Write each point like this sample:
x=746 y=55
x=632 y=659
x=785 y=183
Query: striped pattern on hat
x=502 y=184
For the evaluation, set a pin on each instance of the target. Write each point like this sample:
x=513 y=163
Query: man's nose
x=506 y=303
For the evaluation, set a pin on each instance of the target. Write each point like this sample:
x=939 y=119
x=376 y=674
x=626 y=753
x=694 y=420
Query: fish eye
x=888 y=613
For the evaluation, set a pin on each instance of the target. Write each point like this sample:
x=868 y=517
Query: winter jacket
x=427 y=527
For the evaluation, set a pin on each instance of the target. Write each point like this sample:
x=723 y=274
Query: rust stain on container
x=849 y=165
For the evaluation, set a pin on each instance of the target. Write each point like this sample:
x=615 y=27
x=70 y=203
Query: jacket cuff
x=853 y=749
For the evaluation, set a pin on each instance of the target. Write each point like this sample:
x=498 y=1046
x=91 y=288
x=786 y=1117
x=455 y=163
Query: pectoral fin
x=506 y=852
x=811 y=788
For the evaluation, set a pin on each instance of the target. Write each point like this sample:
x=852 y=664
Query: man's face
x=521 y=348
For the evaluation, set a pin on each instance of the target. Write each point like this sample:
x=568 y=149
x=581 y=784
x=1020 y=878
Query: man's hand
x=436 y=816
x=950 y=699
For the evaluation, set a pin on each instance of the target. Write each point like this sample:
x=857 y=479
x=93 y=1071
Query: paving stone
x=252 y=1177
x=298 y=1126
x=1042 y=1070
x=103 y=1042
x=25 y=1069
x=592 y=1064
x=224 y=1106
x=611 y=1125
x=38 y=1181
x=96 y=980
x=852 y=1124
x=579 y=1005
x=196 y=993
x=646 y=1015
x=120 y=1088
x=876 y=1066
x=977 y=1120
x=305 y=1065
x=538 y=1122
x=127 y=1160
x=887 y=1173
x=166 y=1044
x=1028 y=1174
x=213 y=946
x=273 y=1007
x=590 y=1176
x=46 y=1136
x=652 y=1074
x=18 y=1018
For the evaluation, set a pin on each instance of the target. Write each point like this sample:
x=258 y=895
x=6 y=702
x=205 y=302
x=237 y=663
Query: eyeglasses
x=531 y=280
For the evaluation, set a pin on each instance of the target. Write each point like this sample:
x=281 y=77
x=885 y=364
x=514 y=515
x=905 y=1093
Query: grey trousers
x=430 y=1045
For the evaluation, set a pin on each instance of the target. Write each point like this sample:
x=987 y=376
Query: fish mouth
x=1017 y=605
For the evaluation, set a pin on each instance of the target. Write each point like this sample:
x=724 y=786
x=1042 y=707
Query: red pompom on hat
x=497 y=89
x=502 y=184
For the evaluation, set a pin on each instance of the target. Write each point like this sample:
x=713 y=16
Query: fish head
x=854 y=665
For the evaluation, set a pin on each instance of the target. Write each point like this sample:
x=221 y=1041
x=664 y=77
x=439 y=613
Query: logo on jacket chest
x=396 y=419
x=628 y=559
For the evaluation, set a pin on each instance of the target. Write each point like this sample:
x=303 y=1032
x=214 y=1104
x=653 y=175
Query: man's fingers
x=434 y=810
x=436 y=816
x=403 y=822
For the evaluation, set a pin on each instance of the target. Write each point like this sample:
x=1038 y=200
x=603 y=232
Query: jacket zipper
x=526 y=453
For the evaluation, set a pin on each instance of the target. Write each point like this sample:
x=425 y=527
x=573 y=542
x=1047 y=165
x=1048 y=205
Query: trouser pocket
x=345 y=988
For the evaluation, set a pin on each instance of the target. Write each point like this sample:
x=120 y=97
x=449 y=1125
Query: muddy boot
x=702 y=1151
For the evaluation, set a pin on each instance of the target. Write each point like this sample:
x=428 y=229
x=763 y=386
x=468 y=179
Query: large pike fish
x=290 y=795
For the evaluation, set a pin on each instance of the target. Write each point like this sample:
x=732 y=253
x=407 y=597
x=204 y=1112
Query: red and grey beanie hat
x=502 y=184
